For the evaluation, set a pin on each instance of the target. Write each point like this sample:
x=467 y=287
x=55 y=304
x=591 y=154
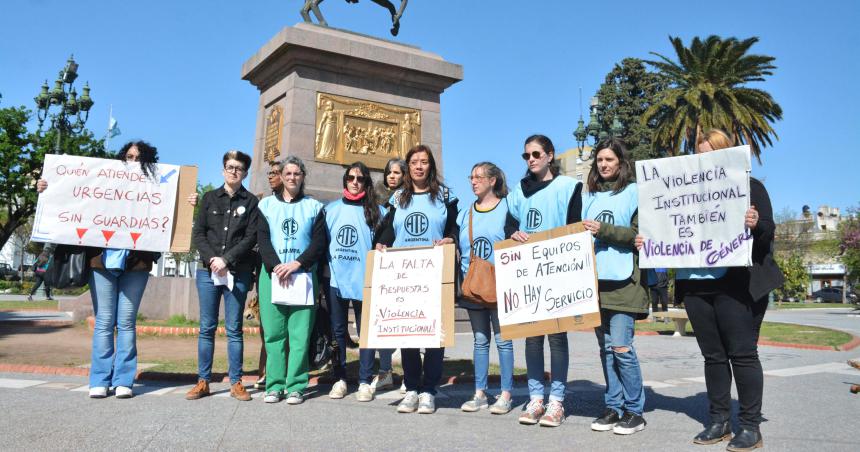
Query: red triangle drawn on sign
x=108 y=235
x=134 y=237
x=81 y=232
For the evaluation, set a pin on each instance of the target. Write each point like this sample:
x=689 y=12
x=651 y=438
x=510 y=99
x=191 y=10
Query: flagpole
x=107 y=141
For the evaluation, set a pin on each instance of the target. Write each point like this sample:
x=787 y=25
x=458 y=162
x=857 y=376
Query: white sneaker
x=409 y=403
x=426 y=403
x=273 y=397
x=403 y=387
x=365 y=393
x=98 y=392
x=123 y=392
x=384 y=380
x=338 y=391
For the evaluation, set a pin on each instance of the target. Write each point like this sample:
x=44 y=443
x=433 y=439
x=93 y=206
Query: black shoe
x=716 y=432
x=629 y=424
x=606 y=422
x=746 y=440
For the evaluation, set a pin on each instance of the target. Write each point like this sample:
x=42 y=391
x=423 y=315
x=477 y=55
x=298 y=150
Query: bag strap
x=471 y=242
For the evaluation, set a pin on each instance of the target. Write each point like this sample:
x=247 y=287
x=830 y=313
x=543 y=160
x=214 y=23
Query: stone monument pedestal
x=331 y=97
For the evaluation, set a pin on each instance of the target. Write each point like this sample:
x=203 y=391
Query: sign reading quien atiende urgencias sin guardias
x=547 y=279
x=106 y=203
x=692 y=208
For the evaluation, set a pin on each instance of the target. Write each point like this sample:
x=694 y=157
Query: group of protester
x=293 y=233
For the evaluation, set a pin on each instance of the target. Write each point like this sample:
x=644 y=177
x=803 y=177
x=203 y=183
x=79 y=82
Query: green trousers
x=280 y=324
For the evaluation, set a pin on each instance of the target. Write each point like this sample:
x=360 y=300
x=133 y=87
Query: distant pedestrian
x=658 y=285
x=40 y=269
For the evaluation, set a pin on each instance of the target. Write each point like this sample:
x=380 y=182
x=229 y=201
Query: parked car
x=8 y=273
x=833 y=295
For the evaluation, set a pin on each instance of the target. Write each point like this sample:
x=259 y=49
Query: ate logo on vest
x=533 y=219
x=482 y=248
x=290 y=227
x=605 y=217
x=416 y=224
x=347 y=236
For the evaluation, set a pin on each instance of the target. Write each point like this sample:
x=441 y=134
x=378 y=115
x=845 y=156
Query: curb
x=28 y=308
x=851 y=345
x=179 y=330
x=35 y=323
x=49 y=370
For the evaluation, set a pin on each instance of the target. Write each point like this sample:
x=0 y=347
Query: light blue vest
x=545 y=209
x=290 y=225
x=421 y=222
x=487 y=229
x=613 y=263
x=350 y=238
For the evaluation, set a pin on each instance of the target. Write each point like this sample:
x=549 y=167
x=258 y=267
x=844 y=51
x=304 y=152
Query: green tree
x=796 y=277
x=22 y=154
x=849 y=244
x=708 y=90
x=626 y=94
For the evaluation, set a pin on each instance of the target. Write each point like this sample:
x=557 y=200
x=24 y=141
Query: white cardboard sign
x=106 y=203
x=546 y=280
x=406 y=288
x=691 y=210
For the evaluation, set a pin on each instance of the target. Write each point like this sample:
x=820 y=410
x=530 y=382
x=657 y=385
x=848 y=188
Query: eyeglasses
x=351 y=177
x=471 y=178
x=234 y=169
x=273 y=173
x=535 y=154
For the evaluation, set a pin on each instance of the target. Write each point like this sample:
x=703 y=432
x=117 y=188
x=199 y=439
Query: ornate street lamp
x=73 y=111
x=594 y=128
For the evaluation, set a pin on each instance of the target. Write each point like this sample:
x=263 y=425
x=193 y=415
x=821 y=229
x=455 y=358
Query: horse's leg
x=305 y=10
x=316 y=9
x=387 y=5
x=395 y=20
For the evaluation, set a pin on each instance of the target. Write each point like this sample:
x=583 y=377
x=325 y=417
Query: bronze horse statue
x=313 y=5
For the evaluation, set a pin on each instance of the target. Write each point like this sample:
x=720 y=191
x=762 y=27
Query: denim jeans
x=727 y=329
x=558 y=352
x=117 y=295
x=234 y=303
x=482 y=321
x=422 y=376
x=339 y=311
x=624 y=388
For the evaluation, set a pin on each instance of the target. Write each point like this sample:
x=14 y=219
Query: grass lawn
x=179 y=320
x=43 y=304
x=771 y=331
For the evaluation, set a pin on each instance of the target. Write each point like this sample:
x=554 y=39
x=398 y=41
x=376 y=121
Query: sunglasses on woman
x=359 y=179
x=535 y=154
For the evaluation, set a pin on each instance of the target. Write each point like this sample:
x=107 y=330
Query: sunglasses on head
x=535 y=154
x=351 y=177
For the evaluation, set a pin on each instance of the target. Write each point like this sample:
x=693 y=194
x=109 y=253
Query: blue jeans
x=234 y=303
x=482 y=320
x=624 y=389
x=116 y=299
x=558 y=353
x=339 y=314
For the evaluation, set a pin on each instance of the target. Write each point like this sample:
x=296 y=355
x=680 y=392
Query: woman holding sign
x=423 y=195
x=610 y=213
x=117 y=283
x=726 y=307
x=481 y=226
x=291 y=234
x=351 y=222
x=543 y=200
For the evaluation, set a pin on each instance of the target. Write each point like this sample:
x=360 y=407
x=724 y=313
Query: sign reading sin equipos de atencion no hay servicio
x=106 y=203
x=406 y=292
x=546 y=280
x=691 y=210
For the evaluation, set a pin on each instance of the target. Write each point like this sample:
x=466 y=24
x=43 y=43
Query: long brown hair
x=371 y=208
x=408 y=187
x=625 y=170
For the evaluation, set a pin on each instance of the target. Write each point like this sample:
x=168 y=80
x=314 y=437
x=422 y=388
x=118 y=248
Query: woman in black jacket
x=726 y=308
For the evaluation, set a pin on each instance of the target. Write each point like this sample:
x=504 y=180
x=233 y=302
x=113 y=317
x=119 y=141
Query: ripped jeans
x=621 y=370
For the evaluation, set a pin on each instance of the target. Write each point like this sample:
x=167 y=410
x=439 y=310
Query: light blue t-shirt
x=350 y=238
x=421 y=222
x=545 y=209
x=290 y=224
x=613 y=263
x=487 y=228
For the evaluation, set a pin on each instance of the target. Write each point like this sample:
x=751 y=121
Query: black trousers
x=727 y=329
x=659 y=295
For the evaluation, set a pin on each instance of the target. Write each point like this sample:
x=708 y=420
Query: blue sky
x=171 y=69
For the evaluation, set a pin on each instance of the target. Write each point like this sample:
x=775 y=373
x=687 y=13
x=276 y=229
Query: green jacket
x=632 y=297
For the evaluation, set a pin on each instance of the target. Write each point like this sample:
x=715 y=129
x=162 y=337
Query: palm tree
x=707 y=90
